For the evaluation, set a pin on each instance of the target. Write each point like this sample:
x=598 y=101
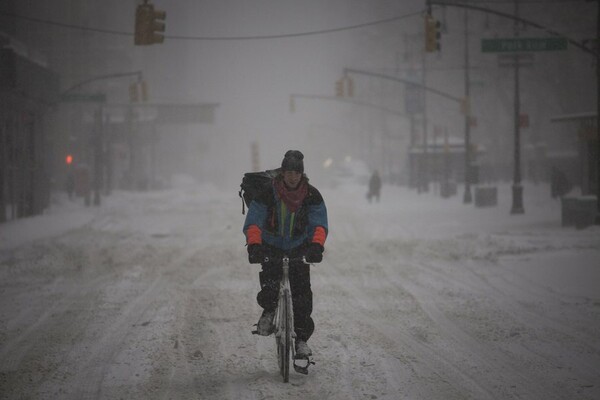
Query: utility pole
x=3 y=167
x=108 y=157
x=98 y=141
x=517 y=207
x=598 y=115
x=132 y=171
x=467 y=197
x=445 y=192
x=517 y=189
x=424 y=181
x=153 y=182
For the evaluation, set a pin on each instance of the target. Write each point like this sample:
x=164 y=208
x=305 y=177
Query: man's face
x=292 y=179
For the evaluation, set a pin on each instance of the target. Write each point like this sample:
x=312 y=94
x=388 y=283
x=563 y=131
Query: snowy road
x=151 y=297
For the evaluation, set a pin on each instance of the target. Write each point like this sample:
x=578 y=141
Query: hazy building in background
x=63 y=43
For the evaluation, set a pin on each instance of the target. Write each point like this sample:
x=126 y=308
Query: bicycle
x=285 y=335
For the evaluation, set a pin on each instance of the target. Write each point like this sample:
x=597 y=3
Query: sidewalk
x=62 y=216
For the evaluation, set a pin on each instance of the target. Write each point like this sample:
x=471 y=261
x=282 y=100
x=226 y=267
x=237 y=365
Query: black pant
x=301 y=294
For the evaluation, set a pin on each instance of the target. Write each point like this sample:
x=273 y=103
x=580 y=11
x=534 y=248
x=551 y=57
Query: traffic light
x=158 y=25
x=138 y=91
x=144 y=90
x=149 y=25
x=432 y=34
x=350 y=86
x=69 y=159
x=133 y=93
x=339 y=88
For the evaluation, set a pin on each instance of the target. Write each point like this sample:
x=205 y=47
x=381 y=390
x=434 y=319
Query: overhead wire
x=212 y=38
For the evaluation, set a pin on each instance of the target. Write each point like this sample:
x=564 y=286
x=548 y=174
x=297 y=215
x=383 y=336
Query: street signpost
x=516 y=45
x=509 y=60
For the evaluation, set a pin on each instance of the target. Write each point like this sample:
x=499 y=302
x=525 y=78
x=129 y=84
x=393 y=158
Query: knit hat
x=292 y=161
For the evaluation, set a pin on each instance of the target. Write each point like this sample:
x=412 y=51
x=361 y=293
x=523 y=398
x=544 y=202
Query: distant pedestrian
x=374 y=187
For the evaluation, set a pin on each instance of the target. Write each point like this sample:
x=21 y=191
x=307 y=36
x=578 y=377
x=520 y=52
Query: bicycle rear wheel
x=284 y=342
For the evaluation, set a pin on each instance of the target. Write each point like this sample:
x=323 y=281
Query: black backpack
x=253 y=183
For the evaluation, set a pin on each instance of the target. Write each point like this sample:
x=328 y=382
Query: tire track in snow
x=498 y=366
x=446 y=361
x=490 y=356
x=426 y=359
x=16 y=349
x=181 y=379
x=92 y=373
x=508 y=294
x=438 y=374
x=462 y=277
x=92 y=379
x=523 y=315
x=211 y=342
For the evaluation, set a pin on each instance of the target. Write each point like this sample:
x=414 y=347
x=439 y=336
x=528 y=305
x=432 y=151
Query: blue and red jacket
x=270 y=222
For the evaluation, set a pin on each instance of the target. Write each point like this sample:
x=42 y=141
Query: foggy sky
x=253 y=79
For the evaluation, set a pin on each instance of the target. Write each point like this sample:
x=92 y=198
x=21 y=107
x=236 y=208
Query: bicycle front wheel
x=284 y=342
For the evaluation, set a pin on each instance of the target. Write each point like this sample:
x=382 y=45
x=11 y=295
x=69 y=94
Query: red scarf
x=292 y=198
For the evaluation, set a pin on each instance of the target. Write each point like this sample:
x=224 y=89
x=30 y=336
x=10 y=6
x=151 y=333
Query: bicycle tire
x=280 y=335
x=286 y=343
x=279 y=339
x=278 y=343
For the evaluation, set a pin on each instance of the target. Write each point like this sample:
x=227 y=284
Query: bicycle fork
x=285 y=310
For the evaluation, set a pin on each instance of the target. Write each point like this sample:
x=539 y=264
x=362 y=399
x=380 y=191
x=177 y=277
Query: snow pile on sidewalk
x=62 y=216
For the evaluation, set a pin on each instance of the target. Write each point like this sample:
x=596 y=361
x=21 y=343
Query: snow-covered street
x=150 y=296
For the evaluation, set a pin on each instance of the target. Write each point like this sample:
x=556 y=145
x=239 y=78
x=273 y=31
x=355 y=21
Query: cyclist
x=288 y=217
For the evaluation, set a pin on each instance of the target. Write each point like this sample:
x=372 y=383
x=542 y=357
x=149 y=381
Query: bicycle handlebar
x=281 y=258
x=278 y=257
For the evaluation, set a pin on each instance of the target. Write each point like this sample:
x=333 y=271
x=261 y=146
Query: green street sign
x=83 y=98
x=516 y=45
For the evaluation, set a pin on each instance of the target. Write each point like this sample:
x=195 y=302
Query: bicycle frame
x=285 y=334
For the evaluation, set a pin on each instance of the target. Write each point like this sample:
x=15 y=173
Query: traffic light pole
x=406 y=81
x=524 y=21
x=98 y=134
x=423 y=184
x=598 y=115
x=422 y=174
x=597 y=221
x=467 y=197
x=102 y=77
x=594 y=52
x=343 y=100
x=517 y=189
x=98 y=140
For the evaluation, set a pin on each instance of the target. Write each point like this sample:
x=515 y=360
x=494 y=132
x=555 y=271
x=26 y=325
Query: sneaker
x=265 y=324
x=302 y=349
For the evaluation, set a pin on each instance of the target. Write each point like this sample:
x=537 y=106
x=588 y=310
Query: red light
x=69 y=159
